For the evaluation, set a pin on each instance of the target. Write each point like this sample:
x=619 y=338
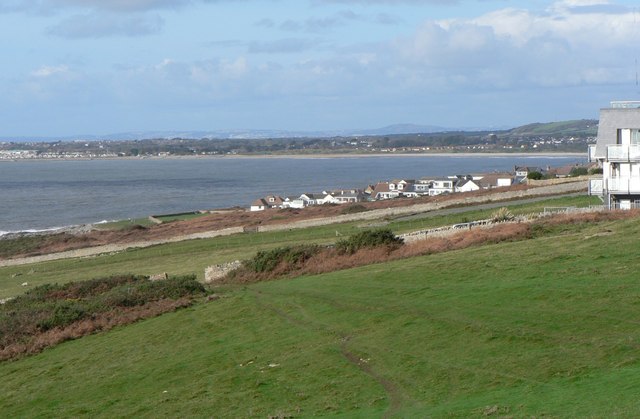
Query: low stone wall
x=557 y=181
x=215 y=272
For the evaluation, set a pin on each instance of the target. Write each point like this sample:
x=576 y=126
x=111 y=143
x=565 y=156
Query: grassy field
x=543 y=327
x=193 y=256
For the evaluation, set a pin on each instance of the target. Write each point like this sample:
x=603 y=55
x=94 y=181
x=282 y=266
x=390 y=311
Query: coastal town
x=414 y=188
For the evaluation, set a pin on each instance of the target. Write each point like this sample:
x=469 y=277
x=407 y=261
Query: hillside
x=542 y=327
x=582 y=127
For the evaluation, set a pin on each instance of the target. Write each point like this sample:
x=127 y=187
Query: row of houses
x=397 y=188
x=409 y=188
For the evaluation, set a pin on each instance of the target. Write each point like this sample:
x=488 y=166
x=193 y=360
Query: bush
x=535 y=176
x=268 y=260
x=368 y=239
x=578 y=171
x=595 y=171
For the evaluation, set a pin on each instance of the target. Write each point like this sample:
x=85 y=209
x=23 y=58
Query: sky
x=73 y=67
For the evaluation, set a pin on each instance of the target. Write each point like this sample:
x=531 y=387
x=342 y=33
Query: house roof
x=259 y=203
x=313 y=195
x=492 y=179
x=381 y=187
x=463 y=182
x=276 y=199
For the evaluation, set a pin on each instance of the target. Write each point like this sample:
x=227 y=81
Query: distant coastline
x=313 y=156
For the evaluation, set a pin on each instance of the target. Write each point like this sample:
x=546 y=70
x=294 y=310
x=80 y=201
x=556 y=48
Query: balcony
x=623 y=185
x=623 y=153
x=596 y=187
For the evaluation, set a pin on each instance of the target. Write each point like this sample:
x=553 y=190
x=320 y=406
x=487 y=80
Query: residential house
x=401 y=184
x=259 y=205
x=346 y=196
x=617 y=151
x=467 y=185
x=313 y=198
x=442 y=185
x=294 y=202
x=382 y=190
x=522 y=172
x=496 y=180
x=422 y=186
x=269 y=201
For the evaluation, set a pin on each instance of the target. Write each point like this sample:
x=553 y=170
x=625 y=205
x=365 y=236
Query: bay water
x=43 y=194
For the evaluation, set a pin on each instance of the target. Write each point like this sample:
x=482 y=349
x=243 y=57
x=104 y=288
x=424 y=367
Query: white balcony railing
x=596 y=187
x=623 y=152
x=626 y=185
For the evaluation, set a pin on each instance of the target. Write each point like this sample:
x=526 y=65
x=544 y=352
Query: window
x=635 y=136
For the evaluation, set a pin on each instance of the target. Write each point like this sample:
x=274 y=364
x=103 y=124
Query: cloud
x=49 y=71
x=102 y=25
x=514 y=48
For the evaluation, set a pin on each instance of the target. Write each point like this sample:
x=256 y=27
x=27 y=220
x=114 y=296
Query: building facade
x=617 y=151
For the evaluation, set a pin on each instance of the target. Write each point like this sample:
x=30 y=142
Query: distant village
x=412 y=188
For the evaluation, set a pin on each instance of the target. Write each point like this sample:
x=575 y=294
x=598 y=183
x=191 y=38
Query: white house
x=467 y=185
x=293 y=202
x=346 y=196
x=441 y=185
x=269 y=201
x=496 y=180
x=383 y=190
x=617 y=151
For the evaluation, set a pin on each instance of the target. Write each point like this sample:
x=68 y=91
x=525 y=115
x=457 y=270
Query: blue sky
x=73 y=67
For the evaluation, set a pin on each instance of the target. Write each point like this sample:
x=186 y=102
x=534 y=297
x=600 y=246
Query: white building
x=617 y=151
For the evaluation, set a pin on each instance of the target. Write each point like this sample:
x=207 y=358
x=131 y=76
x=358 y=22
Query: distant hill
x=579 y=127
x=583 y=127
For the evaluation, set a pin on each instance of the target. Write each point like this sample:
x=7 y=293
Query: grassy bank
x=193 y=256
x=543 y=327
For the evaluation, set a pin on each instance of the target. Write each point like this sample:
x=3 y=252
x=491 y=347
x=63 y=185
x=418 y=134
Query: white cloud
x=48 y=71
x=513 y=48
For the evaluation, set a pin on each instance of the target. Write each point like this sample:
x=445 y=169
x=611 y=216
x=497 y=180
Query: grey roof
x=611 y=120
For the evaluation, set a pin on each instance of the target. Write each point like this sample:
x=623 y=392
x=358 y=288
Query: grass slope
x=193 y=256
x=545 y=327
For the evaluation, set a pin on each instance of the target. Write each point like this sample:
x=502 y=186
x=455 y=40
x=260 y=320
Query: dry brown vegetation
x=329 y=259
x=60 y=242
x=100 y=322
x=49 y=314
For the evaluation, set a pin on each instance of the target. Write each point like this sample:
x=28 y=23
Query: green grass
x=193 y=256
x=544 y=327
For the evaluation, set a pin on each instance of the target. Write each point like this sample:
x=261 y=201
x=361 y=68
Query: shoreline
x=315 y=156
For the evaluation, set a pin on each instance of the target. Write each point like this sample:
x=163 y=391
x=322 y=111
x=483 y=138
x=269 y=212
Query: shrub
x=595 y=171
x=578 y=171
x=502 y=214
x=368 y=239
x=269 y=260
x=535 y=176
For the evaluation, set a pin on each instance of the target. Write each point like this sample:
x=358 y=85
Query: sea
x=44 y=194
